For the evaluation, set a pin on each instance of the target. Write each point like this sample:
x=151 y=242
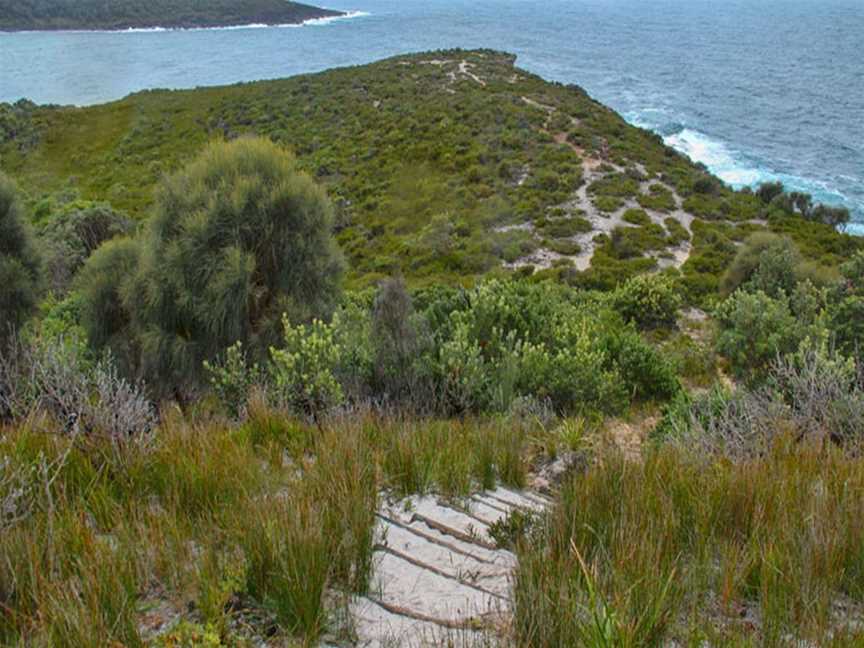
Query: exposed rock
x=438 y=578
x=553 y=473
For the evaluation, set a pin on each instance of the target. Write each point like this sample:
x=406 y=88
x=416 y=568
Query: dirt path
x=582 y=205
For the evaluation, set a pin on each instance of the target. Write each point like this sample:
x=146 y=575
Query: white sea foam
x=732 y=167
x=312 y=22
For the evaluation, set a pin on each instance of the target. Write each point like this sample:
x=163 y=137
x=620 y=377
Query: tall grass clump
x=682 y=547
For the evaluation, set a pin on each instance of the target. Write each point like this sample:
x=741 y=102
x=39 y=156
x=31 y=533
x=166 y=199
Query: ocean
x=757 y=90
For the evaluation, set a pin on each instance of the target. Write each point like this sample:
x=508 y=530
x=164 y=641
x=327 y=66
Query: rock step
x=465 y=567
x=438 y=578
x=382 y=626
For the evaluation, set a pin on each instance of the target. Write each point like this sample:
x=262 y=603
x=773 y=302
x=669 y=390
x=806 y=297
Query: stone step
x=493 y=577
x=438 y=578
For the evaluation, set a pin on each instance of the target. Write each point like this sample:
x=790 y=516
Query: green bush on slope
x=20 y=268
x=237 y=239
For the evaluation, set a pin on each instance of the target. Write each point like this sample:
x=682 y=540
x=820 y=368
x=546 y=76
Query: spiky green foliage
x=105 y=286
x=19 y=262
x=237 y=239
x=70 y=233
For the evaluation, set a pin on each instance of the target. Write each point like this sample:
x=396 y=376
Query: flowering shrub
x=304 y=371
x=649 y=300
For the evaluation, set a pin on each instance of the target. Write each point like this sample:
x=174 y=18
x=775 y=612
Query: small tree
x=394 y=336
x=754 y=329
x=19 y=261
x=650 y=300
x=768 y=191
x=238 y=238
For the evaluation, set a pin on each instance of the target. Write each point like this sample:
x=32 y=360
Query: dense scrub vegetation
x=202 y=407
x=18 y=15
x=441 y=167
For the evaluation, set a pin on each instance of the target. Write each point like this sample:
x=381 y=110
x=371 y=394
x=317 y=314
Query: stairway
x=438 y=578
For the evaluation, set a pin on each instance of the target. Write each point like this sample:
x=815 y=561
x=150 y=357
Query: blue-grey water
x=755 y=89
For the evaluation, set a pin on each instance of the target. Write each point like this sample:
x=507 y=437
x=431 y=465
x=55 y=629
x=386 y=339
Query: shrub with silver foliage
x=53 y=377
x=812 y=394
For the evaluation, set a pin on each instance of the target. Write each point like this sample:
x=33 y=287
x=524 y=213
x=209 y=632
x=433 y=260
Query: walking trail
x=438 y=578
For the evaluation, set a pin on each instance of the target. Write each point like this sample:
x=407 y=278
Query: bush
x=232 y=380
x=647 y=371
x=576 y=373
x=765 y=262
x=72 y=234
x=768 y=191
x=105 y=285
x=812 y=394
x=847 y=307
x=677 y=232
x=395 y=338
x=53 y=377
x=649 y=300
x=636 y=217
x=238 y=238
x=19 y=262
x=304 y=369
x=755 y=329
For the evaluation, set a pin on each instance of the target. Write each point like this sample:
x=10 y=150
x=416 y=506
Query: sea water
x=755 y=89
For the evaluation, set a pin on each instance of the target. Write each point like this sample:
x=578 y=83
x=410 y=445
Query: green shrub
x=20 y=266
x=754 y=329
x=677 y=232
x=565 y=247
x=658 y=198
x=649 y=300
x=765 y=262
x=648 y=372
x=847 y=307
x=304 y=368
x=636 y=217
x=576 y=376
x=634 y=242
x=232 y=379
x=71 y=234
x=106 y=287
x=238 y=238
x=607 y=204
x=564 y=227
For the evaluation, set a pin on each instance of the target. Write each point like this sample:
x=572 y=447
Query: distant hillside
x=17 y=15
x=443 y=166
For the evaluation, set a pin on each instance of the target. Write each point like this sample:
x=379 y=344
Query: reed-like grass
x=679 y=547
x=271 y=515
